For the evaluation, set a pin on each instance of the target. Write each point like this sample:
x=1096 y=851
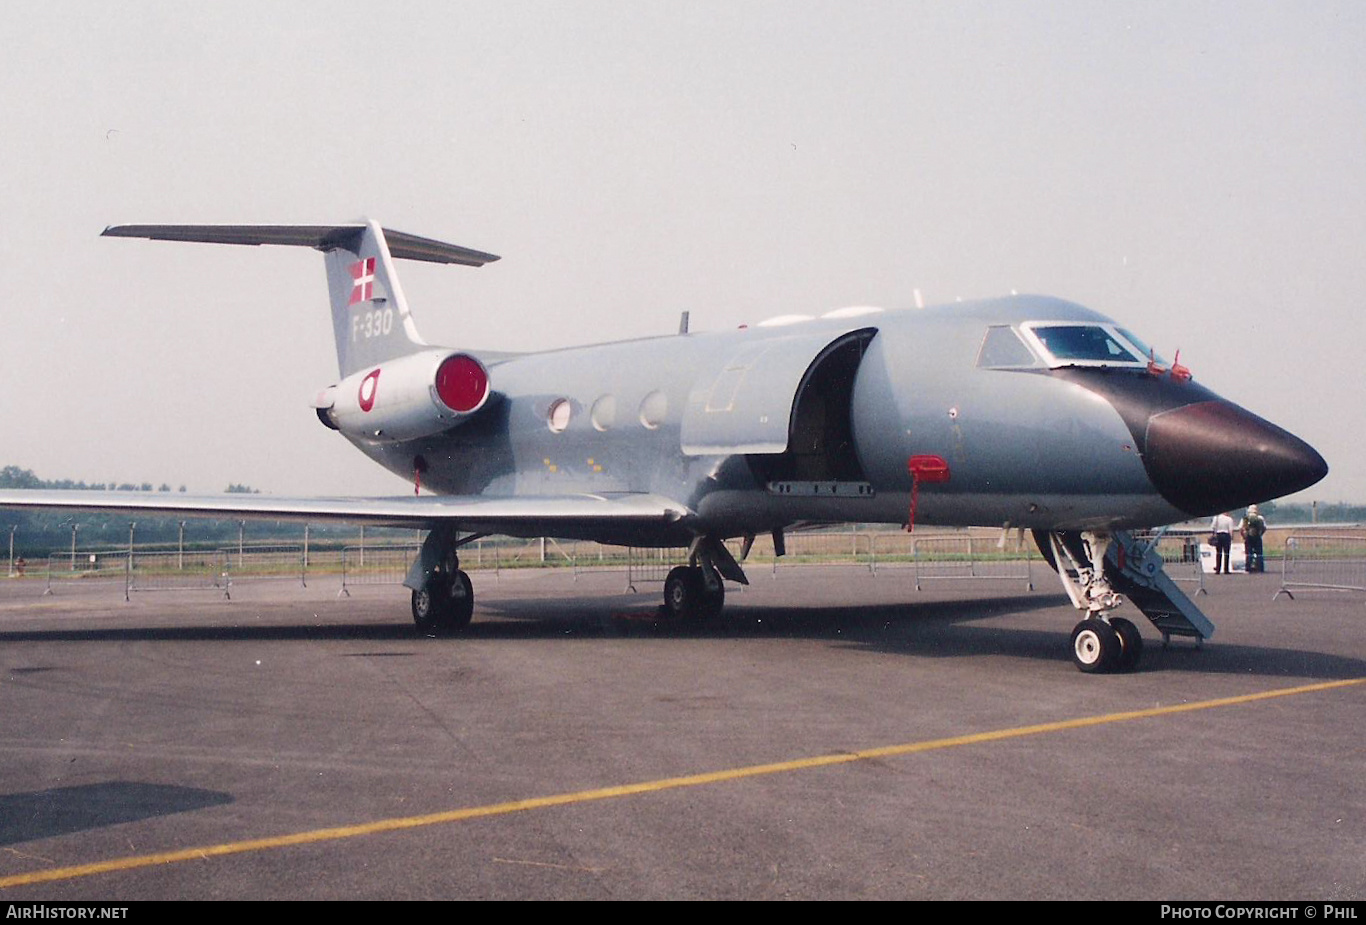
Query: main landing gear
x=444 y=604
x=696 y=591
x=443 y=597
x=693 y=592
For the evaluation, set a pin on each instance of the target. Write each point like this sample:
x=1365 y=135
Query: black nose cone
x=1213 y=456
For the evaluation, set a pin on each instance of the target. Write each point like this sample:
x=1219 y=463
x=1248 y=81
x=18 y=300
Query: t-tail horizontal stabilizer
x=370 y=316
x=402 y=245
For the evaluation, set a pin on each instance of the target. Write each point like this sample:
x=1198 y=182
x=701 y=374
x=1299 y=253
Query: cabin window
x=557 y=418
x=604 y=413
x=653 y=408
x=1002 y=347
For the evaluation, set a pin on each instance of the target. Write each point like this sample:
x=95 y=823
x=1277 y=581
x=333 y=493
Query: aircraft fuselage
x=759 y=428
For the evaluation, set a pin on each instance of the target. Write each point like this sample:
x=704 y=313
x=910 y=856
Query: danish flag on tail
x=363 y=274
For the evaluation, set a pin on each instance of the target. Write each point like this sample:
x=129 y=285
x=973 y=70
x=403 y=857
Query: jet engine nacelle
x=406 y=398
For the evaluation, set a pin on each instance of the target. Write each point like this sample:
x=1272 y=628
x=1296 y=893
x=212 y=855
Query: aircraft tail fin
x=370 y=316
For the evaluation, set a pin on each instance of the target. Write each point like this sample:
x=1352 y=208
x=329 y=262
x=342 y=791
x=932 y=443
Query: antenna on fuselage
x=683 y=323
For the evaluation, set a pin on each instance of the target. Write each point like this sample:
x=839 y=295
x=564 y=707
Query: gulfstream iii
x=1028 y=412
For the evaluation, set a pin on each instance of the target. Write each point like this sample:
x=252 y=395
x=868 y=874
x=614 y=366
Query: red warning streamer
x=928 y=469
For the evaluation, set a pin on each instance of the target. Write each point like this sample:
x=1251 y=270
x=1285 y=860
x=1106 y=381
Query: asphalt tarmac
x=834 y=736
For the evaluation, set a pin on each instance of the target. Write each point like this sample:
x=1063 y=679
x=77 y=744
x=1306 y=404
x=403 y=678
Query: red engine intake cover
x=462 y=383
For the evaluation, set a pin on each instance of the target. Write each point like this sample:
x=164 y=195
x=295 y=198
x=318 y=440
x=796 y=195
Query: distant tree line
x=1339 y=512
x=39 y=533
x=14 y=477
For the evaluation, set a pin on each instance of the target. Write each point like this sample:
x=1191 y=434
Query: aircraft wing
x=544 y=515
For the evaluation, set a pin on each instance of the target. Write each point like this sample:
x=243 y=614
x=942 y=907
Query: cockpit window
x=1002 y=347
x=1144 y=350
x=1083 y=344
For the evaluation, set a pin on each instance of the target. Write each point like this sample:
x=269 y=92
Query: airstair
x=1134 y=569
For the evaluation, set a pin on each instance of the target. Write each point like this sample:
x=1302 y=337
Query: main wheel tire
x=1095 y=646
x=445 y=605
x=1130 y=643
x=713 y=600
x=684 y=592
x=430 y=603
x=462 y=602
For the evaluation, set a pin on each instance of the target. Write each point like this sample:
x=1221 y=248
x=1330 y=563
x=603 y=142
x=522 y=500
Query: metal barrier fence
x=542 y=552
x=141 y=569
x=817 y=548
x=956 y=557
x=588 y=558
x=926 y=556
x=1336 y=563
x=86 y=565
x=375 y=565
x=178 y=570
x=248 y=562
x=652 y=565
x=389 y=564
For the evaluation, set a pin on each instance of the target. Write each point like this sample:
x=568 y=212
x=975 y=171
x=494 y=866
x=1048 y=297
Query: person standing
x=1252 y=527
x=1221 y=529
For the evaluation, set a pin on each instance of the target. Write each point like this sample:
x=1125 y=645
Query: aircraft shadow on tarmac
x=930 y=629
x=925 y=629
x=66 y=810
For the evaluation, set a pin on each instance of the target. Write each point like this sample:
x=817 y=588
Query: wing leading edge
x=545 y=515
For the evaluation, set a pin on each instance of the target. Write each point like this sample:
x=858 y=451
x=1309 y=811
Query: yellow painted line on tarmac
x=625 y=790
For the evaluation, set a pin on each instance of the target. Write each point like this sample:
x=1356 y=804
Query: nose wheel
x=1103 y=646
x=445 y=604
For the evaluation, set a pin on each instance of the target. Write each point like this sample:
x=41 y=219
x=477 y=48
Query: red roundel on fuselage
x=462 y=383
x=365 y=395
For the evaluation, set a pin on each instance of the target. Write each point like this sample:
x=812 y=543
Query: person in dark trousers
x=1252 y=527
x=1221 y=538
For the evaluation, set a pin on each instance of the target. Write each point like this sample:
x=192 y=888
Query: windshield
x=1143 y=348
x=1084 y=344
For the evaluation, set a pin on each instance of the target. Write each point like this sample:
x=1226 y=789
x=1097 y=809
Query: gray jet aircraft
x=1027 y=412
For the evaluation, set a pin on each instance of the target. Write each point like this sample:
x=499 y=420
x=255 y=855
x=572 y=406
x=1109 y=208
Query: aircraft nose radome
x=1213 y=456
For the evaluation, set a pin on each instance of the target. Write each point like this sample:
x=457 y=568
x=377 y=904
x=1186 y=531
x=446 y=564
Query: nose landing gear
x=1088 y=565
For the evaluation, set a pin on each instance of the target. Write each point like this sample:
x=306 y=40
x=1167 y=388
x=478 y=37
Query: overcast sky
x=1197 y=171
